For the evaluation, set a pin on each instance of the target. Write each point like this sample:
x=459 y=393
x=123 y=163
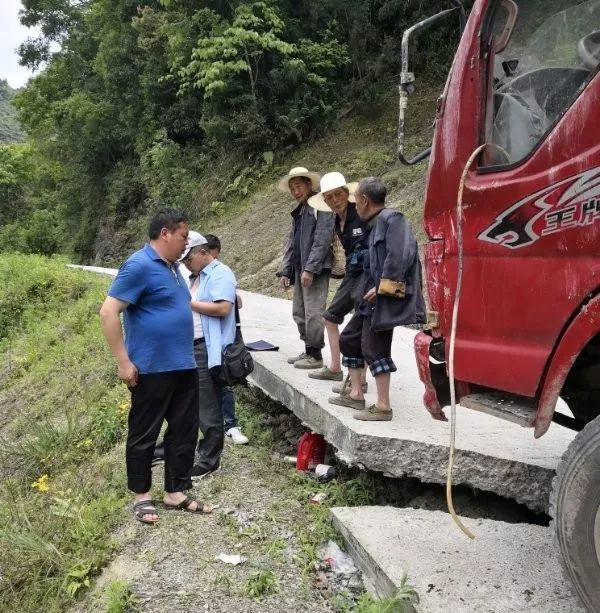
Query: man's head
x=300 y=182
x=370 y=197
x=197 y=254
x=335 y=192
x=214 y=244
x=168 y=233
x=300 y=188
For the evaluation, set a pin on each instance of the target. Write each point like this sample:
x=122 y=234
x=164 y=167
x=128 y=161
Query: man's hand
x=128 y=373
x=284 y=283
x=371 y=295
x=307 y=278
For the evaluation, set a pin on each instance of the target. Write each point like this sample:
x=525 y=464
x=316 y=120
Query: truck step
x=518 y=409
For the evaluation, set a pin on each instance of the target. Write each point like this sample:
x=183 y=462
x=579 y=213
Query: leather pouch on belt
x=396 y=289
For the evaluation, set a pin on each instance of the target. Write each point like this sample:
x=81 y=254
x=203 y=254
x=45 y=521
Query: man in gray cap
x=306 y=264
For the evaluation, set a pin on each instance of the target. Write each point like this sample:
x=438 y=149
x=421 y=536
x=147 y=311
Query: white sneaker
x=235 y=434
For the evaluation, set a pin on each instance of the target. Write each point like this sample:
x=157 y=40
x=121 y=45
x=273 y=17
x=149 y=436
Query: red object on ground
x=311 y=451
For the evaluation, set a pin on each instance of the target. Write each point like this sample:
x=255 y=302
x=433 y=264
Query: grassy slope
x=62 y=413
x=253 y=230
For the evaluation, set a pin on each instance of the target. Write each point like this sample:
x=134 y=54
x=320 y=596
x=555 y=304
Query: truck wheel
x=575 y=508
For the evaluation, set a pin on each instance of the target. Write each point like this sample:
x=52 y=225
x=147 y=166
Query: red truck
x=524 y=83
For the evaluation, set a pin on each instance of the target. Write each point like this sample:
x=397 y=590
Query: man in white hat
x=338 y=196
x=306 y=264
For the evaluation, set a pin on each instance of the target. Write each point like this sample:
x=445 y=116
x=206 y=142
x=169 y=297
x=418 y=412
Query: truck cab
x=517 y=141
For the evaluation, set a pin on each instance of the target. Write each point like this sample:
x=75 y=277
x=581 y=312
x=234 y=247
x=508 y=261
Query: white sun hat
x=195 y=239
x=329 y=182
x=295 y=173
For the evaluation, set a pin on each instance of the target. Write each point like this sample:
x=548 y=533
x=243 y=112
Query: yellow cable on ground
x=459 y=237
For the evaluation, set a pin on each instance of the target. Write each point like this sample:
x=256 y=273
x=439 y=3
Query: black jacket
x=393 y=255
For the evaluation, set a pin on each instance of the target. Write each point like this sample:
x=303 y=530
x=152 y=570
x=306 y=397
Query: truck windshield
x=538 y=75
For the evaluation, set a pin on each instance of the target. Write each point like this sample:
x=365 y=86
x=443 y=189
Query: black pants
x=359 y=343
x=210 y=414
x=171 y=396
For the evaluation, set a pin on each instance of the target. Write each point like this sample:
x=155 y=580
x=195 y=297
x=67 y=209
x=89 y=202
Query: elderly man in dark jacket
x=392 y=297
x=306 y=264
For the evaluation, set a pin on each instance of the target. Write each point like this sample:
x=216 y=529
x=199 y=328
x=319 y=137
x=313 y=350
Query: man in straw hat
x=306 y=264
x=338 y=196
x=392 y=297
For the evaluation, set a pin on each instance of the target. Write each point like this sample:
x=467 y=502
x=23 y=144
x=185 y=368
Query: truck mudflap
x=430 y=397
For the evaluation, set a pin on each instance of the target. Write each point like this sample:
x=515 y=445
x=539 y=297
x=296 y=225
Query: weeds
x=404 y=601
x=261 y=583
x=118 y=598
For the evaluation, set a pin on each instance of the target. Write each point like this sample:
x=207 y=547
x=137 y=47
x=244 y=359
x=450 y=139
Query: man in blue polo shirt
x=156 y=361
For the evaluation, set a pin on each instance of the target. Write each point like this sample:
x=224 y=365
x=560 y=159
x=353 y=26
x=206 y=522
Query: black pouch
x=236 y=361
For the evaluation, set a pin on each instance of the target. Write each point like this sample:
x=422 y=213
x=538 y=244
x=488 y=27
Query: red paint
x=430 y=399
x=580 y=331
x=525 y=275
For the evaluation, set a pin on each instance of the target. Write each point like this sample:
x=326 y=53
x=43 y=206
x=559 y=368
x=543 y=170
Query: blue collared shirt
x=159 y=332
x=217 y=282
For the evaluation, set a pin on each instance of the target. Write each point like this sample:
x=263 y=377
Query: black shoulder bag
x=236 y=360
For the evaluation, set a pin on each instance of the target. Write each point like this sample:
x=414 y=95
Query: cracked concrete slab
x=492 y=454
x=506 y=568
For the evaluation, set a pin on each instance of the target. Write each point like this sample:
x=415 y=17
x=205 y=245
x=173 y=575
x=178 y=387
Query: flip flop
x=144 y=507
x=184 y=505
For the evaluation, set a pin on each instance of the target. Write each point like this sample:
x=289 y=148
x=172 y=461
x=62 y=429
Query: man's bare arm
x=113 y=332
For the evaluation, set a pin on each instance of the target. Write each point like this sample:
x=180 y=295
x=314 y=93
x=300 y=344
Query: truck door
x=532 y=201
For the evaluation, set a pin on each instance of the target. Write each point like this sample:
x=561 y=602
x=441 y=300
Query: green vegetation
x=163 y=100
x=404 y=601
x=119 y=598
x=10 y=130
x=261 y=583
x=62 y=412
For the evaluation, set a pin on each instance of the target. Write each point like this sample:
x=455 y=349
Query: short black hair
x=213 y=242
x=165 y=218
x=374 y=189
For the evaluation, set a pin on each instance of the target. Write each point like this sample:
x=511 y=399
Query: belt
x=198 y=341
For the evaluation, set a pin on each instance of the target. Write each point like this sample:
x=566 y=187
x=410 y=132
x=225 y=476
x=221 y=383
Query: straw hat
x=329 y=182
x=295 y=173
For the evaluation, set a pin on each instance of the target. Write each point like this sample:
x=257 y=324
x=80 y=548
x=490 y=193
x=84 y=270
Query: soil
x=173 y=565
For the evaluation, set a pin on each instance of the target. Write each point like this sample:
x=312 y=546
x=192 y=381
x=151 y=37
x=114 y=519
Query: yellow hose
x=459 y=236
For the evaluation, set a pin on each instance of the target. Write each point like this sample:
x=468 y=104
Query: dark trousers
x=210 y=413
x=359 y=343
x=171 y=396
x=228 y=404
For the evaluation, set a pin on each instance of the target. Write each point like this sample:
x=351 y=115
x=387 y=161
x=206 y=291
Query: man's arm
x=321 y=243
x=288 y=252
x=215 y=309
x=401 y=250
x=113 y=332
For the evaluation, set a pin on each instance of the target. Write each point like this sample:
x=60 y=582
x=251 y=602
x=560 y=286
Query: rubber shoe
x=325 y=374
x=199 y=473
x=374 y=414
x=235 y=434
x=308 y=363
x=345 y=401
x=294 y=359
x=338 y=387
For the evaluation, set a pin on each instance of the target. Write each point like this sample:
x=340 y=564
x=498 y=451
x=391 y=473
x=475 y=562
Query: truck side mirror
x=407 y=78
